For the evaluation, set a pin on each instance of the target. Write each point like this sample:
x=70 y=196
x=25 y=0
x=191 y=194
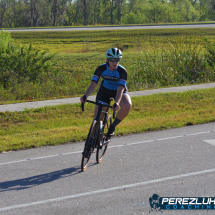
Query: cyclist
x=113 y=86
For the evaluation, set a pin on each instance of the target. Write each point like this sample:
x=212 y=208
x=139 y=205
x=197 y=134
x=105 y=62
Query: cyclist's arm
x=119 y=94
x=91 y=88
x=89 y=91
x=121 y=87
x=94 y=81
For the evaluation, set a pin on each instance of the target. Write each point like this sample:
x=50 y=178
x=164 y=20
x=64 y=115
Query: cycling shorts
x=105 y=94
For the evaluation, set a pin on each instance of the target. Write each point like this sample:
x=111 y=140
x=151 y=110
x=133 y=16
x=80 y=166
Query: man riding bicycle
x=113 y=86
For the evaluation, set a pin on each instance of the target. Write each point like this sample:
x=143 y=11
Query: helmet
x=113 y=53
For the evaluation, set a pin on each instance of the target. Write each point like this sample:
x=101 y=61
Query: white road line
x=128 y=144
x=38 y=158
x=107 y=190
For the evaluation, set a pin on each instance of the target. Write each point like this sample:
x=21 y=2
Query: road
x=117 y=27
x=171 y=163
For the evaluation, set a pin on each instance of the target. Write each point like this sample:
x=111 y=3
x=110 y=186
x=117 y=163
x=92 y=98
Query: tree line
x=39 y=13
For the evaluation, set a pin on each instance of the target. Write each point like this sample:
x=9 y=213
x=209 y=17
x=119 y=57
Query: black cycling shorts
x=105 y=94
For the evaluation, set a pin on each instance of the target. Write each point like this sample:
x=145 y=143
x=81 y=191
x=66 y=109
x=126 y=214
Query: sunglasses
x=114 y=59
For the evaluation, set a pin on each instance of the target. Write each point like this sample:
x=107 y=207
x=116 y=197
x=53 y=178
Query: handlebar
x=99 y=104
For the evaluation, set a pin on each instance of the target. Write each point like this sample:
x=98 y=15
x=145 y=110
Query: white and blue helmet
x=114 y=53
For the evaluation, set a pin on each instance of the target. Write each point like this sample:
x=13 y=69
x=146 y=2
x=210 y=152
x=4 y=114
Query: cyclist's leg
x=125 y=105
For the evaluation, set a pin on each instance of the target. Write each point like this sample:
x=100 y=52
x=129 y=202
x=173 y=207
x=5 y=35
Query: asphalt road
x=171 y=163
x=117 y=27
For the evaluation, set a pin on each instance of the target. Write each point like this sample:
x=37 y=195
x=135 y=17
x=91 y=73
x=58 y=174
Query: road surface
x=171 y=163
x=117 y=27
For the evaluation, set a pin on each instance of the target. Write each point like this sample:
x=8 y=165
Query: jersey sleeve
x=122 y=77
x=98 y=73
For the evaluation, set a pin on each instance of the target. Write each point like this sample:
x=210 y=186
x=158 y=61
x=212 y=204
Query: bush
x=5 y=39
x=20 y=63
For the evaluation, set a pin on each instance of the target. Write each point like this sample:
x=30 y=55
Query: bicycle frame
x=100 y=104
x=96 y=137
x=98 y=115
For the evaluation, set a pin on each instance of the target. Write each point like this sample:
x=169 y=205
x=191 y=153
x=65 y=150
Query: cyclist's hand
x=115 y=106
x=83 y=99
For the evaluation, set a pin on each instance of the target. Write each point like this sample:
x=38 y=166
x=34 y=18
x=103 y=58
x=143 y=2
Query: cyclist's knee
x=126 y=106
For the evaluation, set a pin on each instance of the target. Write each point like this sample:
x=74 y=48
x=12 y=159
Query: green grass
x=67 y=123
x=148 y=57
x=78 y=70
x=100 y=41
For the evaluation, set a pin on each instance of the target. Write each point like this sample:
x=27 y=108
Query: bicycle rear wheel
x=101 y=149
x=89 y=145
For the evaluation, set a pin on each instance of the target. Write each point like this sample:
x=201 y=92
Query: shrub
x=19 y=63
x=5 y=39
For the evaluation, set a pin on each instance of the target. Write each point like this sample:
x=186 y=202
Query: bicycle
x=97 y=135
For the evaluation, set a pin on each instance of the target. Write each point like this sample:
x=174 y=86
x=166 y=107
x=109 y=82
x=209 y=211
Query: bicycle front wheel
x=89 y=145
x=101 y=149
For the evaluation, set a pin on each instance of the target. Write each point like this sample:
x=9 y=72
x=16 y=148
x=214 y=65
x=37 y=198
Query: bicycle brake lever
x=82 y=106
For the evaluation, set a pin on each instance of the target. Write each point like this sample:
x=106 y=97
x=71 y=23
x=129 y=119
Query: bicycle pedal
x=100 y=146
x=106 y=141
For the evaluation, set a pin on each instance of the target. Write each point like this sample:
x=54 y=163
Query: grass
x=99 y=41
x=67 y=123
x=154 y=58
x=145 y=71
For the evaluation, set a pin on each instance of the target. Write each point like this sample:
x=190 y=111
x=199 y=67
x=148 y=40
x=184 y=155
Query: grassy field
x=154 y=58
x=99 y=41
x=67 y=123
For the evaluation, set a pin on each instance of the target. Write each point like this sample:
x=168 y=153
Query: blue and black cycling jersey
x=111 y=79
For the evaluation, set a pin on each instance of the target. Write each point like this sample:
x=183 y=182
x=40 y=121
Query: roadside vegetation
x=67 y=123
x=153 y=59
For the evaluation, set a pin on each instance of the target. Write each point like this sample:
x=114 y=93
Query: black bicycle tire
x=100 y=153
x=84 y=160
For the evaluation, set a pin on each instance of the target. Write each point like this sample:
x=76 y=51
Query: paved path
x=29 y=105
x=197 y=25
